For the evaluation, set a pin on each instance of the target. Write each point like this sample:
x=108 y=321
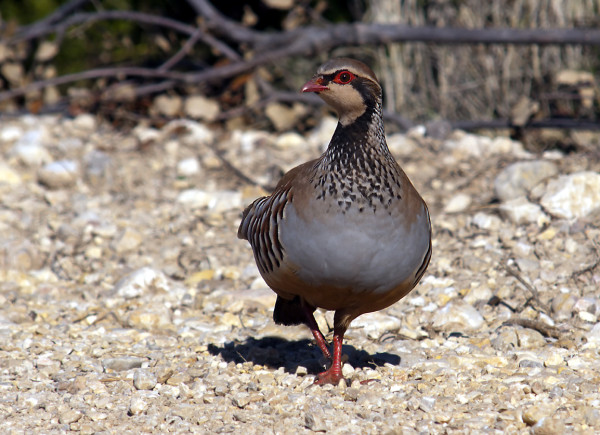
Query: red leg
x=334 y=374
x=314 y=328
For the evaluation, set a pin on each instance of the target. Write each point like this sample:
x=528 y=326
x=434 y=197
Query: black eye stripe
x=330 y=77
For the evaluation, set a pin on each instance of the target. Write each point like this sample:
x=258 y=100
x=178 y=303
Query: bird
x=346 y=232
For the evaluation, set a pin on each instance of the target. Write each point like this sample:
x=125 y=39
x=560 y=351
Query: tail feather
x=289 y=311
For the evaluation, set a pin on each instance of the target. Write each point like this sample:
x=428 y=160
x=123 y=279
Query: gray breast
x=365 y=251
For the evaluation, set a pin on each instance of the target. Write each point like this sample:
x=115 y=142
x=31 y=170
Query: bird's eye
x=344 y=77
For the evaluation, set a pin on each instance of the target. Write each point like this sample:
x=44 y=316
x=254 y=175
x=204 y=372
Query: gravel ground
x=127 y=304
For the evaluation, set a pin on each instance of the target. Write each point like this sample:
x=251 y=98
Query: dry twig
x=541 y=327
x=534 y=293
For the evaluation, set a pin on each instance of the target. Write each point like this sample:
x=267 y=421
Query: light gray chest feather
x=366 y=251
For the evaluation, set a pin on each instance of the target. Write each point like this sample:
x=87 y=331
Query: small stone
x=200 y=107
x=70 y=416
x=554 y=360
x=97 y=164
x=188 y=167
x=593 y=336
x=46 y=51
x=290 y=140
x=464 y=145
x=57 y=175
x=123 y=363
x=351 y=394
x=534 y=414
x=480 y=293
x=221 y=389
x=457 y=314
x=301 y=371
x=144 y=379
x=30 y=150
x=230 y=319
x=150 y=318
x=527 y=363
x=587 y=317
x=442 y=417
x=400 y=145
x=163 y=374
x=376 y=324
x=129 y=240
x=427 y=404
x=577 y=363
x=168 y=105
x=592 y=417
x=141 y=281
x=85 y=122
x=347 y=370
x=10 y=133
x=8 y=175
x=518 y=179
x=218 y=202
x=486 y=221
x=179 y=378
x=458 y=203
x=521 y=212
x=314 y=423
x=241 y=399
x=194 y=134
x=548 y=426
x=249 y=140
x=13 y=72
x=280 y=4
x=562 y=305
x=573 y=196
x=95 y=415
x=137 y=405
x=284 y=117
x=52 y=95
x=530 y=338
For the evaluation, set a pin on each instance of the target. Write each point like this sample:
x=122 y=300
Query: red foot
x=329 y=377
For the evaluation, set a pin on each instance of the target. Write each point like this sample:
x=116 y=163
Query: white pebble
x=59 y=174
x=458 y=203
x=188 y=167
x=137 y=405
x=458 y=313
x=10 y=133
x=141 y=281
x=520 y=211
x=573 y=196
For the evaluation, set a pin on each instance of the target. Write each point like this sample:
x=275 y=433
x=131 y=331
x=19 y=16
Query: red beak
x=314 y=85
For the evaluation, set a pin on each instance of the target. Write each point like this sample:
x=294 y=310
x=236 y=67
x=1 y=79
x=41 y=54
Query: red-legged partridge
x=347 y=231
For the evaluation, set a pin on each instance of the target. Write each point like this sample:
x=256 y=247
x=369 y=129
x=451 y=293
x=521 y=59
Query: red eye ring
x=344 y=77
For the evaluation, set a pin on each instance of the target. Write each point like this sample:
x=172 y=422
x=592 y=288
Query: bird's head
x=347 y=85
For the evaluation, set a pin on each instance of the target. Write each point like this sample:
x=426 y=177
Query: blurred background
x=44 y=40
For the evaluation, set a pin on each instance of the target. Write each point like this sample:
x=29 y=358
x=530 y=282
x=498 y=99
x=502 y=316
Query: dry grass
x=478 y=81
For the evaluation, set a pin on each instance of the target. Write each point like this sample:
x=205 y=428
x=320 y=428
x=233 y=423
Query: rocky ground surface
x=128 y=305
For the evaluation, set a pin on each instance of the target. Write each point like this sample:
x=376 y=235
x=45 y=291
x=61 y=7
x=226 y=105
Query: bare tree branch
x=539 y=123
x=95 y=74
x=49 y=28
x=187 y=47
x=46 y=22
x=225 y=27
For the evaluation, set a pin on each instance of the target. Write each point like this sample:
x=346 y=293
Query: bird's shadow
x=275 y=352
